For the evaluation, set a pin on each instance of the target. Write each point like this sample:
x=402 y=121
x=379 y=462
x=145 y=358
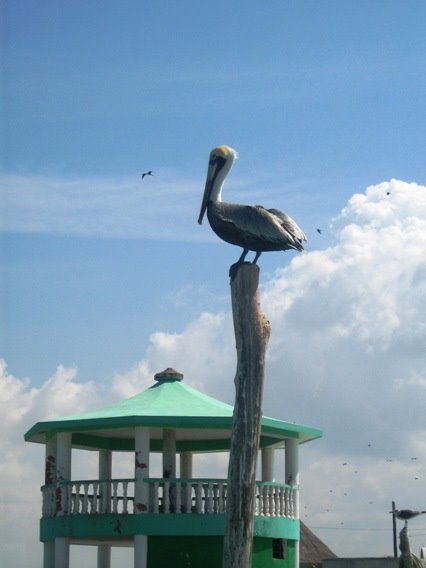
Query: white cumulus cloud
x=346 y=355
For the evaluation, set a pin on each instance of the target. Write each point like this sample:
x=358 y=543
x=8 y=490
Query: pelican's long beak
x=211 y=174
x=220 y=162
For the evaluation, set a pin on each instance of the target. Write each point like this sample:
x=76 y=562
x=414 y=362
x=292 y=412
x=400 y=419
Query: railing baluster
x=85 y=497
x=215 y=498
x=221 y=498
x=187 y=496
x=198 y=499
x=166 y=497
x=114 y=496
x=280 y=502
x=177 y=488
x=94 y=507
x=75 y=508
x=156 y=497
x=289 y=502
x=209 y=498
x=104 y=489
x=260 y=500
x=124 y=496
x=275 y=501
x=266 y=503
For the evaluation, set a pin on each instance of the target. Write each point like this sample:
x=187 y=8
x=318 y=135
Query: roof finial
x=169 y=375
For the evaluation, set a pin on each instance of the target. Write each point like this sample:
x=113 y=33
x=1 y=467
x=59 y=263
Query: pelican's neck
x=219 y=180
x=216 y=192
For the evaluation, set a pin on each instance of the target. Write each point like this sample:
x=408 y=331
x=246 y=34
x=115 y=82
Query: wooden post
x=252 y=331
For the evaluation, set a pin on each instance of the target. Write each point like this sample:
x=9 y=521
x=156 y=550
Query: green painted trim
x=116 y=526
x=273 y=527
x=269 y=427
x=91 y=441
x=113 y=526
x=101 y=443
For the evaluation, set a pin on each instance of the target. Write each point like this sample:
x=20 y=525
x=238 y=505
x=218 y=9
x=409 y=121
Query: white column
x=50 y=461
x=141 y=492
x=169 y=463
x=63 y=473
x=104 y=556
x=186 y=465
x=62 y=553
x=268 y=455
x=292 y=478
x=186 y=473
x=105 y=468
x=49 y=554
x=49 y=478
x=63 y=456
x=105 y=464
x=169 y=453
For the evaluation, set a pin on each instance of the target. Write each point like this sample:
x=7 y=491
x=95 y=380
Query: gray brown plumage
x=252 y=227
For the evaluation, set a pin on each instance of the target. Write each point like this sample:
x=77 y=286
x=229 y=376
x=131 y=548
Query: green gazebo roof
x=202 y=423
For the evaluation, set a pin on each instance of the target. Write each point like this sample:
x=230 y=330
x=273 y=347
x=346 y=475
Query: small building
x=313 y=551
x=169 y=520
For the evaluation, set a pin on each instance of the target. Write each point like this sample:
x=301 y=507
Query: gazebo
x=169 y=520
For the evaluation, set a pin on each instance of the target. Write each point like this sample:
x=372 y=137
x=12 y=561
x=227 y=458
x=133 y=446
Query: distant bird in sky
x=251 y=227
x=319 y=231
x=149 y=173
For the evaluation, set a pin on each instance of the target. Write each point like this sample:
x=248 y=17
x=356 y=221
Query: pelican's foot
x=234 y=269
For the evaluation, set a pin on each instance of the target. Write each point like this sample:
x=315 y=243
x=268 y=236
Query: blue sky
x=102 y=273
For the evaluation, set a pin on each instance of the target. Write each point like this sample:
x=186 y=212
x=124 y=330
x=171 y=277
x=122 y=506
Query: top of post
x=168 y=375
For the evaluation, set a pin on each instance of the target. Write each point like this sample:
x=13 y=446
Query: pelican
x=251 y=227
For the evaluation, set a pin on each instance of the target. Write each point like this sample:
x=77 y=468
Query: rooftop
x=201 y=421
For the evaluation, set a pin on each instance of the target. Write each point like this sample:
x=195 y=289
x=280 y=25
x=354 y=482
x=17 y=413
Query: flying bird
x=149 y=173
x=319 y=231
x=251 y=227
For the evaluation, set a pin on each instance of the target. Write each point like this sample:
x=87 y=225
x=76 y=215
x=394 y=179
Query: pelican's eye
x=218 y=161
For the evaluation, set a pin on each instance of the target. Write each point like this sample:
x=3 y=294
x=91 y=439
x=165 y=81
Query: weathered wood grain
x=252 y=332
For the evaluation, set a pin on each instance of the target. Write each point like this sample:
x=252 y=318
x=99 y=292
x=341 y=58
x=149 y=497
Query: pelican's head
x=220 y=162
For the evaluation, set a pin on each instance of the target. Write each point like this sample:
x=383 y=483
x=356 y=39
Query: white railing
x=88 y=497
x=166 y=495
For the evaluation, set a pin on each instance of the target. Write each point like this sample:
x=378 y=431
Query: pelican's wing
x=258 y=224
x=288 y=224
